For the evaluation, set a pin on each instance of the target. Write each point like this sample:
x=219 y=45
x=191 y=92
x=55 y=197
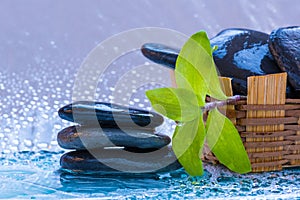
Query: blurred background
x=43 y=43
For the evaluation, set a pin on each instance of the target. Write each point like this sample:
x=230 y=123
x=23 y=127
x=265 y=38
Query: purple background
x=43 y=43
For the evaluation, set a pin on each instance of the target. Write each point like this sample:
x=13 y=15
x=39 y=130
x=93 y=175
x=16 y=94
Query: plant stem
x=215 y=104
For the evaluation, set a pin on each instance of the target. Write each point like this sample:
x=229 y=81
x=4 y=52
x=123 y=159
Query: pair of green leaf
x=182 y=105
x=196 y=76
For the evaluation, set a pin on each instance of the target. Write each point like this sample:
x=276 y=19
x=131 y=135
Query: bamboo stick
x=227 y=89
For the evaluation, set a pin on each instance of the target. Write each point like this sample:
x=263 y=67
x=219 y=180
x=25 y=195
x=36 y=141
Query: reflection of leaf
x=175 y=103
x=187 y=144
x=224 y=141
x=195 y=66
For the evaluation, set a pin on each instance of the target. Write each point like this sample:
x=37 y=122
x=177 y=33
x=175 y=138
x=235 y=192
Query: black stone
x=118 y=160
x=89 y=137
x=284 y=44
x=109 y=115
x=160 y=54
x=241 y=53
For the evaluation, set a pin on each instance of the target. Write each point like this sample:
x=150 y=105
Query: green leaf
x=195 y=68
x=190 y=79
x=202 y=39
x=187 y=144
x=225 y=142
x=175 y=103
x=196 y=76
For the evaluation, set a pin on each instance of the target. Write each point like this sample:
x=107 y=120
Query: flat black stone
x=284 y=44
x=109 y=115
x=160 y=54
x=118 y=160
x=91 y=137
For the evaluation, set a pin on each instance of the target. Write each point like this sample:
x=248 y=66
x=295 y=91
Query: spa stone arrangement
x=106 y=125
x=241 y=53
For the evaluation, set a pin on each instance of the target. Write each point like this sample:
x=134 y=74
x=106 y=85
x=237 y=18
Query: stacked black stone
x=114 y=138
x=242 y=53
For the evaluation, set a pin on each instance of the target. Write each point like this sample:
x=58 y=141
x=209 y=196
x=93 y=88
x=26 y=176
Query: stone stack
x=114 y=138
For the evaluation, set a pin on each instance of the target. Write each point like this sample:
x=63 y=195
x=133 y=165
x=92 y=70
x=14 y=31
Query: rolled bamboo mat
x=265 y=90
x=268 y=123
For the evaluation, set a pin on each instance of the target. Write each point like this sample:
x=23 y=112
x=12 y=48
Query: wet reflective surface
x=42 y=45
x=37 y=175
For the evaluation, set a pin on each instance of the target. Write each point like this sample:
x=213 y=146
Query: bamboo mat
x=266 y=90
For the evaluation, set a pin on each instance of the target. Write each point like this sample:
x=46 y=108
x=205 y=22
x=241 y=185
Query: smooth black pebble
x=284 y=44
x=118 y=160
x=242 y=53
x=91 y=137
x=160 y=54
x=109 y=115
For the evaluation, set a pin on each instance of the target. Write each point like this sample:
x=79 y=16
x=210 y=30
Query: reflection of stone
x=108 y=115
x=113 y=160
x=85 y=137
x=108 y=182
x=285 y=47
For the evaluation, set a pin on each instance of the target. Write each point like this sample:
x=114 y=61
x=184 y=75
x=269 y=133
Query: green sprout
x=196 y=77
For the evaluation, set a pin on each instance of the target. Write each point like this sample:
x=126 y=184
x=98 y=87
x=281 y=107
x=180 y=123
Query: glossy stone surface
x=241 y=53
x=118 y=160
x=86 y=137
x=160 y=54
x=284 y=44
x=109 y=115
